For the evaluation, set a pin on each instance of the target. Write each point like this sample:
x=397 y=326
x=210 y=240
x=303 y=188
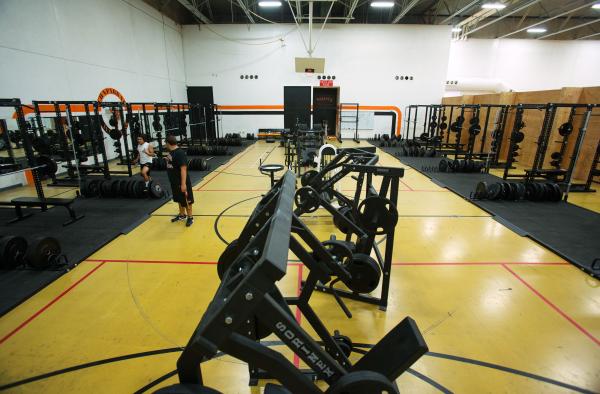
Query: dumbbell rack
x=514 y=145
x=556 y=163
x=497 y=135
x=594 y=170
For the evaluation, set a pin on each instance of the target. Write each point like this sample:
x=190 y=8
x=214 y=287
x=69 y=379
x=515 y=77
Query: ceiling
x=562 y=19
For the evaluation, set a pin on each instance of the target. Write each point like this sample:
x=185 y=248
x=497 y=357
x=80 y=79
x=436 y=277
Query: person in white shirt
x=145 y=156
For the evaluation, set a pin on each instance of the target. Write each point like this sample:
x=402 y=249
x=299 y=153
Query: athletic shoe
x=178 y=218
x=189 y=221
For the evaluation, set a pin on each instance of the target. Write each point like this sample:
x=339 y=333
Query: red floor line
x=551 y=305
x=399 y=263
x=228 y=165
x=480 y=263
x=233 y=190
x=293 y=264
x=48 y=305
x=298 y=314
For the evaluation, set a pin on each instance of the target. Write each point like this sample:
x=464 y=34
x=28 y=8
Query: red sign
x=326 y=82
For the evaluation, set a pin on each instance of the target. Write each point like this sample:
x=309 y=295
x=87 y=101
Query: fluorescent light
x=596 y=6
x=382 y=4
x=269 y=3
x=536 y=30
x=456 y=30
x=493 y=6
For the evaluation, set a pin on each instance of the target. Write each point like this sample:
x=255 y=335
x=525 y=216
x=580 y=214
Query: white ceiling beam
x=589 y=4
x=245 y=9
x=569 y=29
x=468 y=6
x=501 y=17
x=351 y=10
x=405 y=11
x=195 y=11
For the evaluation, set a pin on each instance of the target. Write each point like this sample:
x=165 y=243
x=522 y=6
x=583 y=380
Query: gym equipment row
x=515 y=191
x=39 y=252
x=579 y=115
x=248 y=307
x=120 y=188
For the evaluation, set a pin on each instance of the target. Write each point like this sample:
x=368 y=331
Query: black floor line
x=278 y=343
x=427 y=379
x=216 y=225
x=156 y=382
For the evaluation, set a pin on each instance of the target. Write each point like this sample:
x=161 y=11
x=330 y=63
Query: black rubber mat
x=105 y=219
x=568 y=230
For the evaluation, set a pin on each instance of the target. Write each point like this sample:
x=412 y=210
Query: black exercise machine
x=248 y=306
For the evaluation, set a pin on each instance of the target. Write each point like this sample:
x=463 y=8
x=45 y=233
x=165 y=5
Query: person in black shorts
x=181 y=186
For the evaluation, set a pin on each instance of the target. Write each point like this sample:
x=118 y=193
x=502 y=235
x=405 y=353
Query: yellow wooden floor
x=499 y=312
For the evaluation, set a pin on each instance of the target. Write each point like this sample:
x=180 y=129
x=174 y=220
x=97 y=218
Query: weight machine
x=248 y=307
x=375 y=215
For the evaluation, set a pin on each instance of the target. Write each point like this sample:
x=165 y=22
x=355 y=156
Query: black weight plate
x=227 y=257
x=123 y=187
x=521 y=191
x=555 y=155
x=41 y=252
x=347 y=212
x=377 y=215
x=115 y=187
x=539 y=192
x=12 y=251
x=307 y=176
x=518 y=136
x=338 y=250
x=104 y=188
x=365 y=273
x=558 y=194
x=529 y=191
x=131 y=188
x=481 y=191
x=455 y=165
x=156 y=190
x=307 y=199
x=443 y=166
x=462 y=165
x=505 y=195
x=514 y=191
x=494 y=191
x=140 y=189
x=548 y=192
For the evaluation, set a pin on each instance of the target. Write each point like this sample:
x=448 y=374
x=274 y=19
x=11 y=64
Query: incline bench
x=42 y=203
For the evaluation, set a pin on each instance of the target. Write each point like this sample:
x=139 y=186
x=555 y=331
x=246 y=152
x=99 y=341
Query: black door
x=296 y=106
x=325 y=107
x=203 y=105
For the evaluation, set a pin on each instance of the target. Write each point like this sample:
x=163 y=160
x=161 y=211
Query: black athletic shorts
x=149 y=165
x=179 y=197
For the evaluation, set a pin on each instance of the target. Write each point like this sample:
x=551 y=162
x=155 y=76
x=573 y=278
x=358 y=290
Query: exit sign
x=326 y=83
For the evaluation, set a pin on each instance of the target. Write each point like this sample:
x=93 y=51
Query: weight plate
x=443 y=166
x=156 y=190
x=307 y=199
x=494 y=191
x=521 y=191
x=42 y=251
x=539 y=192
x=307 y=176
x=12 y=251
x=481 y=191
x=227 y=258
x=514 y=192
x=139 y=189
x=518 y=136
x=548 y=192
x=558 y=194
x=339 y=224
x=344 y=343
x=555 y=155
x=505 y=195
x=365 y=273
x=114 y=188
x=131 y=188
x=339 y=251
x=377 y=215
x=123 y=188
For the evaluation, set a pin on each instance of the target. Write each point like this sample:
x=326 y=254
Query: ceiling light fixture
x=456 y=30
x=493 y=6
x=596 y=6
x=269 y=3
x=536 y=30
x=382 y=4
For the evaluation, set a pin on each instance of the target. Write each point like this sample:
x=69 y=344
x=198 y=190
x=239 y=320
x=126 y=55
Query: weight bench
x=43 y=204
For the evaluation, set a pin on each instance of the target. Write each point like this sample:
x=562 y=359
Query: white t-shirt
x=144 y=157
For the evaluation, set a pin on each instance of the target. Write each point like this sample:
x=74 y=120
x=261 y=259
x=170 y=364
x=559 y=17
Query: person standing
x=181 y=186
x=145 y=156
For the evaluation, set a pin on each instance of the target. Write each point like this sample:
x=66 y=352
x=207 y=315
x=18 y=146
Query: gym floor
x=499 y=312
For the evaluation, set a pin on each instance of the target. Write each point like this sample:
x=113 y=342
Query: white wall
x=72 y=49
x=523 y=65
x=364 y=58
